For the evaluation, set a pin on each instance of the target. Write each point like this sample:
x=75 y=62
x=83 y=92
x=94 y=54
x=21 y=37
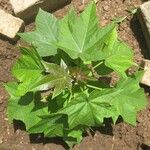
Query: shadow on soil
x=146 y=88
x=4 y=38
x=106 y=128
x=145 y=147
x=39 y=138
x=137 y=30
x=58 y=7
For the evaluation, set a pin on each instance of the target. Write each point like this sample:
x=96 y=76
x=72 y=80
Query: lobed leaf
x=117 y=55
x=81 y=36
x=28 y=69
x=25 y=108
x=51 y=126
x=126 y=99
x=86 y=110
x=45 y=35
x=57 y=78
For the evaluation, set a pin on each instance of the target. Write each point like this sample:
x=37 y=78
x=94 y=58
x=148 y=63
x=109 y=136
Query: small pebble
x=81 y=8
x=106 y=8
x=1 y=140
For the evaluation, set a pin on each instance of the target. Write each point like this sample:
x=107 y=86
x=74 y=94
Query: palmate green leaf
x=126 y=99
x=29 y=63
x=131 y=98
x=88 y=110
x=27 y=108
x=45 y=34
x=81 y=36
x=55 y=125
x=51 y=126
x=28 y=69
x=117 y=55
x=58 y=78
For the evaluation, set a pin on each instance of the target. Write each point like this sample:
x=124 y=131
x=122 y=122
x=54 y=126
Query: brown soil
x=111 y=137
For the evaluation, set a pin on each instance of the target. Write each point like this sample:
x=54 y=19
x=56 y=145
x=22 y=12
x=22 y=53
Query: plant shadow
x=146 y=88
x=38 y=138
x=105 y=129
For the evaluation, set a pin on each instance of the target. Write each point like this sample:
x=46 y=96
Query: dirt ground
x=112 y=137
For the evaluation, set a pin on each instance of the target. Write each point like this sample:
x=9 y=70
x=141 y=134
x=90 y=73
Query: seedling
x=119 y=19
x=58 y=91
x=132 y=10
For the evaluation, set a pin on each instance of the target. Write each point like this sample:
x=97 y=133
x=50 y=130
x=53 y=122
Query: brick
x=146 y=77
x=10 y=25
x=144 y=18
x=27 y=9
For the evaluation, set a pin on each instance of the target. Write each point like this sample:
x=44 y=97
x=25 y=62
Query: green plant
x=58 y=91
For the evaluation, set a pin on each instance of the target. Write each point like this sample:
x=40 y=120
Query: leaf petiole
x=97 y=64
x=93 y=87
x=70 y=97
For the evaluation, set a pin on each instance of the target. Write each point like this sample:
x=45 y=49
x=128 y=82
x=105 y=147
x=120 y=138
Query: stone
x=10 y=25
x=1 y=140
x=144 y=18
x=27 y=9
x=146 y=77
x=106 y=8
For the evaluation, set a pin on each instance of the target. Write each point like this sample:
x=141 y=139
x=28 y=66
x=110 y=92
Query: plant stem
x=93 y=87
x=98 y=65
x=70 y=97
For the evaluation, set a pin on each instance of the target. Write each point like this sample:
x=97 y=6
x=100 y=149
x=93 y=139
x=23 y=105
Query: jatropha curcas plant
x=58 y=90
